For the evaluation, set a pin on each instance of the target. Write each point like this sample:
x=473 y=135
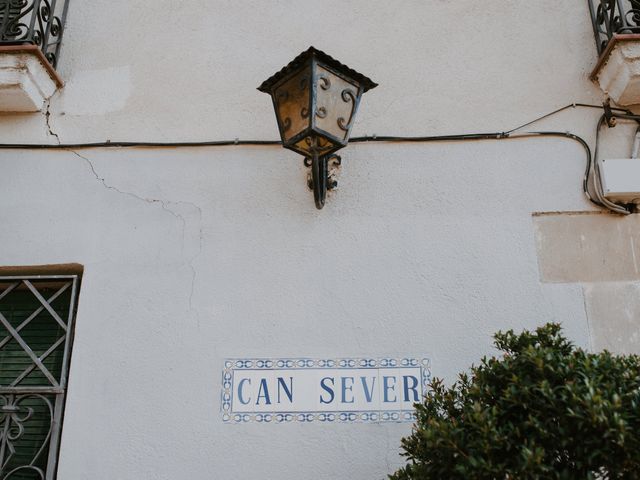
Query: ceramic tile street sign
x=324 y=390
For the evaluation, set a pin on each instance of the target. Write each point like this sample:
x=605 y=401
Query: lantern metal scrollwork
x=316 y=98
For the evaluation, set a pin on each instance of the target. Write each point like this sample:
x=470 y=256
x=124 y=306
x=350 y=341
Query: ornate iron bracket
x=322 y=176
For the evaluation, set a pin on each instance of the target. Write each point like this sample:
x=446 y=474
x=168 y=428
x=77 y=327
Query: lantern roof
x=296 y=63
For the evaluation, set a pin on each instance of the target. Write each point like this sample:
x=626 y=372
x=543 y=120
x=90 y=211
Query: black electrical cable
x=110 y=144
x=375 y=138
x=506 y=135
x=498 y=136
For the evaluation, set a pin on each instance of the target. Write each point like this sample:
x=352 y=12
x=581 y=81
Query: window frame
x=12 y=395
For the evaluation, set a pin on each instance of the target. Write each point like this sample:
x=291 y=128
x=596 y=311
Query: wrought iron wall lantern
x=316 y=98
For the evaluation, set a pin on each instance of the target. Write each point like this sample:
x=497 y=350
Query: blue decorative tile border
x=249 y=387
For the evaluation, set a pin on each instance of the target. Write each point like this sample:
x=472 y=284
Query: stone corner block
x=613 y=310
x=587 y=247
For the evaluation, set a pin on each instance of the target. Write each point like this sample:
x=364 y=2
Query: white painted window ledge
x=617 y=72
x=27 y=79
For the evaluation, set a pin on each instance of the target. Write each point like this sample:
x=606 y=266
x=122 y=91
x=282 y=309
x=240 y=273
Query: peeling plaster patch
x=613 y=310
x=633 y=251
x=587 y=248
x=108 y=88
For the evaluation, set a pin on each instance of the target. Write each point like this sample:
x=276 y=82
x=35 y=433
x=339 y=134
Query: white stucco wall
x=193 y=255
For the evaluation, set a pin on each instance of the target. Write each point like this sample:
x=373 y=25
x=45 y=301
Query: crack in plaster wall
x=164 y=204
x=586 y=316
x=47 y=115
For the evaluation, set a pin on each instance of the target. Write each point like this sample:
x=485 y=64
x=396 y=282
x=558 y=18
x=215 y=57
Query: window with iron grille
x=36 y=332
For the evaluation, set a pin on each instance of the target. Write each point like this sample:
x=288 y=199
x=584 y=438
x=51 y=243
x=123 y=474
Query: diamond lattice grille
x=36 y=324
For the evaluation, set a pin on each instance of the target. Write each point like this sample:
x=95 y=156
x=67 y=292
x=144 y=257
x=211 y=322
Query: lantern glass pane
x=292 y=104
x=336 y=103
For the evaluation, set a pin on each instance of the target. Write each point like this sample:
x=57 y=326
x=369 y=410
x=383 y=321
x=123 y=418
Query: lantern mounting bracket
x=322 y=176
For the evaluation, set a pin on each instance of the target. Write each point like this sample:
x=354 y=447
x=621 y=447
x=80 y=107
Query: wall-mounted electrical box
x=620 y=179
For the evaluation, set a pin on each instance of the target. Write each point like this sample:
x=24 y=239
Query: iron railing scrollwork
x=36 y=22
x=613 y=17
x=20 y=416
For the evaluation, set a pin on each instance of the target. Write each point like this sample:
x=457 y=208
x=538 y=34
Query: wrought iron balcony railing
x=35 y=22
x=611 y=17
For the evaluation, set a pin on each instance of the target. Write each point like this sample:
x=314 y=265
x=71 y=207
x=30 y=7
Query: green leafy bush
x=543 y=410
